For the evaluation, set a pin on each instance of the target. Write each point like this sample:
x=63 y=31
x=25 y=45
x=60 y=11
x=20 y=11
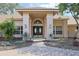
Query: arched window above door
x=37 y=22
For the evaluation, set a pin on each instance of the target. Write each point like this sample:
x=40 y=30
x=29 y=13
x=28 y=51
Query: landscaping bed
x=67 y=44
x=16 y=43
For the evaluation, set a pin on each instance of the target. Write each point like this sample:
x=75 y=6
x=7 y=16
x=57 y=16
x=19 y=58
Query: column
x=45 y=27
x=49 y=25
x=26 y=28
x=65 y=29
x=30 y=28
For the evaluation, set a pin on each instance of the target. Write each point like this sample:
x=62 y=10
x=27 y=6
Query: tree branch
x=77 y=25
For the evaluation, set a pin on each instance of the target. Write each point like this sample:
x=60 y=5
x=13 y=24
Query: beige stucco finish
x=29 y=16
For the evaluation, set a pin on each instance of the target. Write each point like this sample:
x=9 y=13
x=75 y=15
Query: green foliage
x=62 y=7
x=6 y=8
x=8 y=28
x=72 y=8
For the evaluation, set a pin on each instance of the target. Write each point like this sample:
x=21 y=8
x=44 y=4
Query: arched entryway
x=37 y=29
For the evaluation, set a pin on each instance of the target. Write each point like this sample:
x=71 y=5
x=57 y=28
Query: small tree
x=8 y=28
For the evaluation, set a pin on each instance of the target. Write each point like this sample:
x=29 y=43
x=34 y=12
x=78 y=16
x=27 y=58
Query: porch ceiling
x=37 y=14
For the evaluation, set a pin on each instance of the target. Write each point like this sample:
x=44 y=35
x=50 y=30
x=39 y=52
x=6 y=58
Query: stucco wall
x=18 y=23
x=57 y=22
x=71 y=30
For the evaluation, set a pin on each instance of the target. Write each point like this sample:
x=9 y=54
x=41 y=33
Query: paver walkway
x=39 y=49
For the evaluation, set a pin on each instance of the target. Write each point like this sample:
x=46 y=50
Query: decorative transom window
x=57 y=30
x=19 y=30
x=37 y=22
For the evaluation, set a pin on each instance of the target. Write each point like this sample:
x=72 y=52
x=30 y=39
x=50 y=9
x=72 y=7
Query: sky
x=46 y=5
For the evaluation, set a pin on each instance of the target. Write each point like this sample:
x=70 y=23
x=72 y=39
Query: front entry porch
x=38 y=24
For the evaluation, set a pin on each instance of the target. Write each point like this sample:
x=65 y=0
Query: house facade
x=42 y=22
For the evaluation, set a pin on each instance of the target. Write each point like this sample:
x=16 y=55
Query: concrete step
x=37 y=36
x=38 y=39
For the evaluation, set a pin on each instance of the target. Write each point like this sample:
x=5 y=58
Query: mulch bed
x=62 y=44
x=14 y=45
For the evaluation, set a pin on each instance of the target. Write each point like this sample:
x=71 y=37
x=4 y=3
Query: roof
x=60 y=17
x=72 y=21
x=16 y=16
x=20 y=10
x=37 y=8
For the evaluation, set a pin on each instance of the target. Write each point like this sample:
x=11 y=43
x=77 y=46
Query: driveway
x=39 y=49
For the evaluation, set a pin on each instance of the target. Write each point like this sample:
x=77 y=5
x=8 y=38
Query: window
x=57 y=30
x=19 y=30
x=54 y=30
x=37 y=22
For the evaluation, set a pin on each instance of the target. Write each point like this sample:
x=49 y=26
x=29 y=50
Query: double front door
x=37 y=30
